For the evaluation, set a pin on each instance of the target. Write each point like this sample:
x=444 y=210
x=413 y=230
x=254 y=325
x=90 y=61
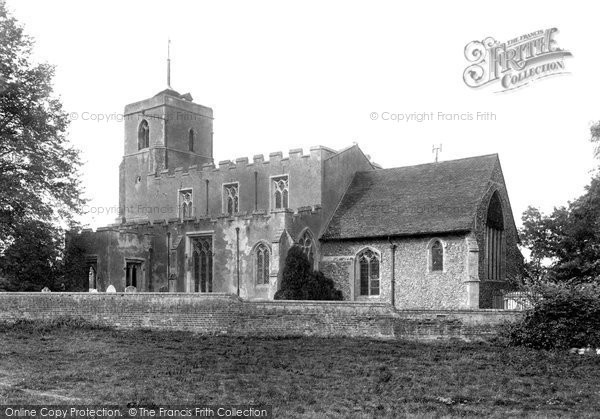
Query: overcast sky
x=282 y=75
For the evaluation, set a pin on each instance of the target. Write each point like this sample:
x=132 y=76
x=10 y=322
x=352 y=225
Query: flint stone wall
x=229 y=315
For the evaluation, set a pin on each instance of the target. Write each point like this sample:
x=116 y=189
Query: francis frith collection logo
x=514 y=63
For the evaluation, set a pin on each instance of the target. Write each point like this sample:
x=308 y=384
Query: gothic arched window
x=231 y=198
x=191 y=140
x=368 y=271
x=437 y=256
x=306 y=243
x=143 y=135
x=280 y=192
x=202 y=264
x=262 y=264
x=185 y=198
x=494 y=239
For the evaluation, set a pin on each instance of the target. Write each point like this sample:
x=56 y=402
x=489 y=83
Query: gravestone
x=93 y=290
x=92 y=278
x=46 y=289
x=172 y=283
x=131 y=289
x=111 y=289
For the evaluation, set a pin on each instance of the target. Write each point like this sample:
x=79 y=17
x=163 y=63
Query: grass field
x=299 y=377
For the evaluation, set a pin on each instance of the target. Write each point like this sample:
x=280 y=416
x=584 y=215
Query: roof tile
x=424 y=199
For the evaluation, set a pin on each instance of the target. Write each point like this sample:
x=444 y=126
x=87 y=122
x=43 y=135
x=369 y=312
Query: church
x=436 y=235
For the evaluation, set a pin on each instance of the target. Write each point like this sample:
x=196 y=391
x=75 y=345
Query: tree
x=542 y=235
x=73 y=269
x=29 y=262
x=565 y=245
x=40 y=187
x=300 y=282
x=38 y=167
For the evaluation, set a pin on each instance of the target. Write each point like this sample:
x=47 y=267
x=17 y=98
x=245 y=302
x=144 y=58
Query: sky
x=282 y=75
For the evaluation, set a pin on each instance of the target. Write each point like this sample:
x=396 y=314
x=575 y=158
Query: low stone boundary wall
x=464 y=324
x=318 y=318
x=227 y=314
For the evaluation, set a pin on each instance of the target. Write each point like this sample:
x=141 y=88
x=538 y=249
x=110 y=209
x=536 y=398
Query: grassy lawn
x=303 y=377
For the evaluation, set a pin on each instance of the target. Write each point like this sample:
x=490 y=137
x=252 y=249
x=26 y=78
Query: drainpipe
x=168 y=256
x=150 y=268
x=255 y=191
x=237 y=257
x=393 y=279
x=207 y=197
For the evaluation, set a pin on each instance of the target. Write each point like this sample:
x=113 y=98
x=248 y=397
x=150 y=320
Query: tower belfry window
x=143 y=135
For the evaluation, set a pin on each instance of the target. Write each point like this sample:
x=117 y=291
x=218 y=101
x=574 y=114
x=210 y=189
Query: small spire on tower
x=169 y=63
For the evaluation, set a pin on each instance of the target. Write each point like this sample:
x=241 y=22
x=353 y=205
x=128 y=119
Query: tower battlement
x=317 y=154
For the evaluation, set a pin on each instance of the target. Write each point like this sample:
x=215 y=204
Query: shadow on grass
x=44 y=326
x=298 y=376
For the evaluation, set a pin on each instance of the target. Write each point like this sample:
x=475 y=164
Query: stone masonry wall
x=416 y=286
x=513 y=263
x=147 y=243
x=226 y=314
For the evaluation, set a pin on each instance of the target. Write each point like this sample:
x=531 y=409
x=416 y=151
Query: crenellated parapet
x=259 y=185
x=317 y=155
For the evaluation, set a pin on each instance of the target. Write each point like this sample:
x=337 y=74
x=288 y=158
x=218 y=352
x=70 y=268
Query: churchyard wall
x=224 y=314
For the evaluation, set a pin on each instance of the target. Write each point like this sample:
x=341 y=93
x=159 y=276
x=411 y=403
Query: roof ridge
x=434 y=163
x=338 y=152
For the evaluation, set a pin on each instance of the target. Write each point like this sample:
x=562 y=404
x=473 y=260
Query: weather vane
x=436 y=150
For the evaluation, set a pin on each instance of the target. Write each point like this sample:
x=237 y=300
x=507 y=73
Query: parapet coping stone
x=216 y=295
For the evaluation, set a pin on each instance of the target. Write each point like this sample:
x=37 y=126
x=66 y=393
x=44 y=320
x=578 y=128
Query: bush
x=563 y=316
x=300 y=282
x=319 y=287
x=296 y=272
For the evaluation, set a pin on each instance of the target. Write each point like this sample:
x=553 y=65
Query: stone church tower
x=163 y=132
